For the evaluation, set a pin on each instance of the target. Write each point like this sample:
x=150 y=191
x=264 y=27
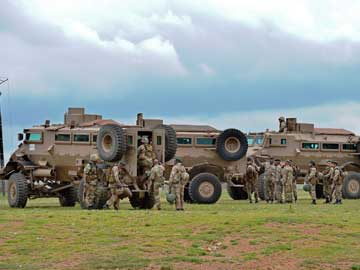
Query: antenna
x=2 y=163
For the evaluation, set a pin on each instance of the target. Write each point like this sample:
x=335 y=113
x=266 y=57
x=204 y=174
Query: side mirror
x=20 y=136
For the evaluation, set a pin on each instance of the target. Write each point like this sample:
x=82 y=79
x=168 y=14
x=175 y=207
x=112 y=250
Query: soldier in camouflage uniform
x=278 y=182
x=118 y=188
x=338 y=181
x=288 y=178
x=269 y=181
x=328 y=176
x=251 y=181
x=295 y=175
x=91 y=176
x=178 y=179
x=145 y=157
x=311 y=179
x=157 y=181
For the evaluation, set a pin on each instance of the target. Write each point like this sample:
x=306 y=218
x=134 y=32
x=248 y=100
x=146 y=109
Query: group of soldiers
x=117 y=180
x=280 y=181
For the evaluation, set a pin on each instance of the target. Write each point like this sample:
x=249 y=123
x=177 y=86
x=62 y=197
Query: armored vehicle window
x=283 y=142
x=62 y=137
x=205 y=141
x=130 y=140
x=311 y=146
x=250 y=140
x=184 y=141
x=94 y=138
x=158 y=140
x=34 y=137
x=349 y=147
x=81 y=138
x=330 y=146
x=259 y=140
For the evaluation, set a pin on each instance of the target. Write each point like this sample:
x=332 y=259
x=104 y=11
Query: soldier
x=328 y=176
x=118 y=188
x=288 y=178
x=145 y=156
x=157 y=181
x=178 y=179
x=311 y=179
x=91 y=176
x=251 y=180
x=295 y=175
x=269 y=181
x=338 y=181
x=278 y=182
x=282 y=124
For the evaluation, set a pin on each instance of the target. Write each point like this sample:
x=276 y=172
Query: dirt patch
x=236 y=246
x=207 y=266
x=69 y=263
x=304 y=229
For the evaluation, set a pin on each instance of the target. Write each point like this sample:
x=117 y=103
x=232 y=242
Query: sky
x=229 y=63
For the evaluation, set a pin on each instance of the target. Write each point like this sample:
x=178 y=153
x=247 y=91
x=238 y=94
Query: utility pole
x=2 y=163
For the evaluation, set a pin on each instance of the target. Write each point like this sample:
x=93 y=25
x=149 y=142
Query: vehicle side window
x=158 y=140
x=34 y=137
x=205 y=141
x=130 y=140
x=62 y=137
x=330 y=146
x=250 y=140
x=94 y=138
x=283 y=142
x=349 y=147
x=185 y=141
x=259 y=140
x=81 y=138
x=311 y=146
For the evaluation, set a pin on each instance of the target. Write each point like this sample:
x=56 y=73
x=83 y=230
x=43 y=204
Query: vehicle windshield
x=250 y=140
x=259 y=140
x=34 y=137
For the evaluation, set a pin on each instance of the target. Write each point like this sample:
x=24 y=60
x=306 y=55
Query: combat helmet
x=94 y=157
x=171 y=198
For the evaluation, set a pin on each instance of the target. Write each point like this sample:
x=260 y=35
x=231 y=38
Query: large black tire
x=237 y=193
x=17 y=191
x=351 y=186
x=205 y=188
x=187 y=197
x=319 y=191
x=261 y=187
x=170 y=142
x=147 y=202
x=68 y=197
x=232 y=145
x=111 y=143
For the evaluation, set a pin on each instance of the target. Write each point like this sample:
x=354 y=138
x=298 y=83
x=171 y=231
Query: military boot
x=327 y=201
x=340 y=201
x=314 y=202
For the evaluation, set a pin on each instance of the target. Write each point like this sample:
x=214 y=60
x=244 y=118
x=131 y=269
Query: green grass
x=228 y=235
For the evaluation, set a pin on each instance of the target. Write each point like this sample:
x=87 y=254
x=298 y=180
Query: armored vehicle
x=50 y=158
x=212 y=157
x=301 y=142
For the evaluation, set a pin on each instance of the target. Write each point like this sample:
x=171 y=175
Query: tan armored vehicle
x=50 y=158
x=212 y=157
x=303 y=142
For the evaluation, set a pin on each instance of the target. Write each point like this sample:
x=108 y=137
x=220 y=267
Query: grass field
x=228 y=235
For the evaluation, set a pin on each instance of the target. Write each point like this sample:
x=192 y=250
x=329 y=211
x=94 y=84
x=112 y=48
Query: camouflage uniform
x=145 y=157
x=278 y=184
x=338 y=184
x=328 y=181
x=157 y=181
x=91 y=175
x=118 y=188
x=312 y=180
x=269 y=181
x=294 y=187
x=251 y=179
x=288 y=178
x=178 y=179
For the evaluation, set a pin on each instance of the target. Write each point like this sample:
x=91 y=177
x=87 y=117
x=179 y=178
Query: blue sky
x=229 y=63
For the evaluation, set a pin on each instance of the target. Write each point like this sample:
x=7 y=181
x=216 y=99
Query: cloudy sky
x=230 y=63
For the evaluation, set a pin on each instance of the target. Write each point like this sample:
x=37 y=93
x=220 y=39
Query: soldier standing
x=278 y=183
x=118 y=188
x=269 y=181
x=145 y=156
x=295 y=175
x=328 y=176
x=91 y=176
x=282 y=124
x=178 y=179
x=251 y=180
x=338 y=180
x=288 y=178
x=312 y=180
x=157 y=181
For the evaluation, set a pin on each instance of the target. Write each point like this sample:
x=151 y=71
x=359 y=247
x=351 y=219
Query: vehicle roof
x=194 y=128
x=333 y=131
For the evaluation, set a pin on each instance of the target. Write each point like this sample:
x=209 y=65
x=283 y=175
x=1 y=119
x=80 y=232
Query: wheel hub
x=206 y=189
x=232 y=144
x=354 y=186
x=13 y=191
x=107 y=143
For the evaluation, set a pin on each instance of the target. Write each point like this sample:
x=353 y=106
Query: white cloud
x=207 y=70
